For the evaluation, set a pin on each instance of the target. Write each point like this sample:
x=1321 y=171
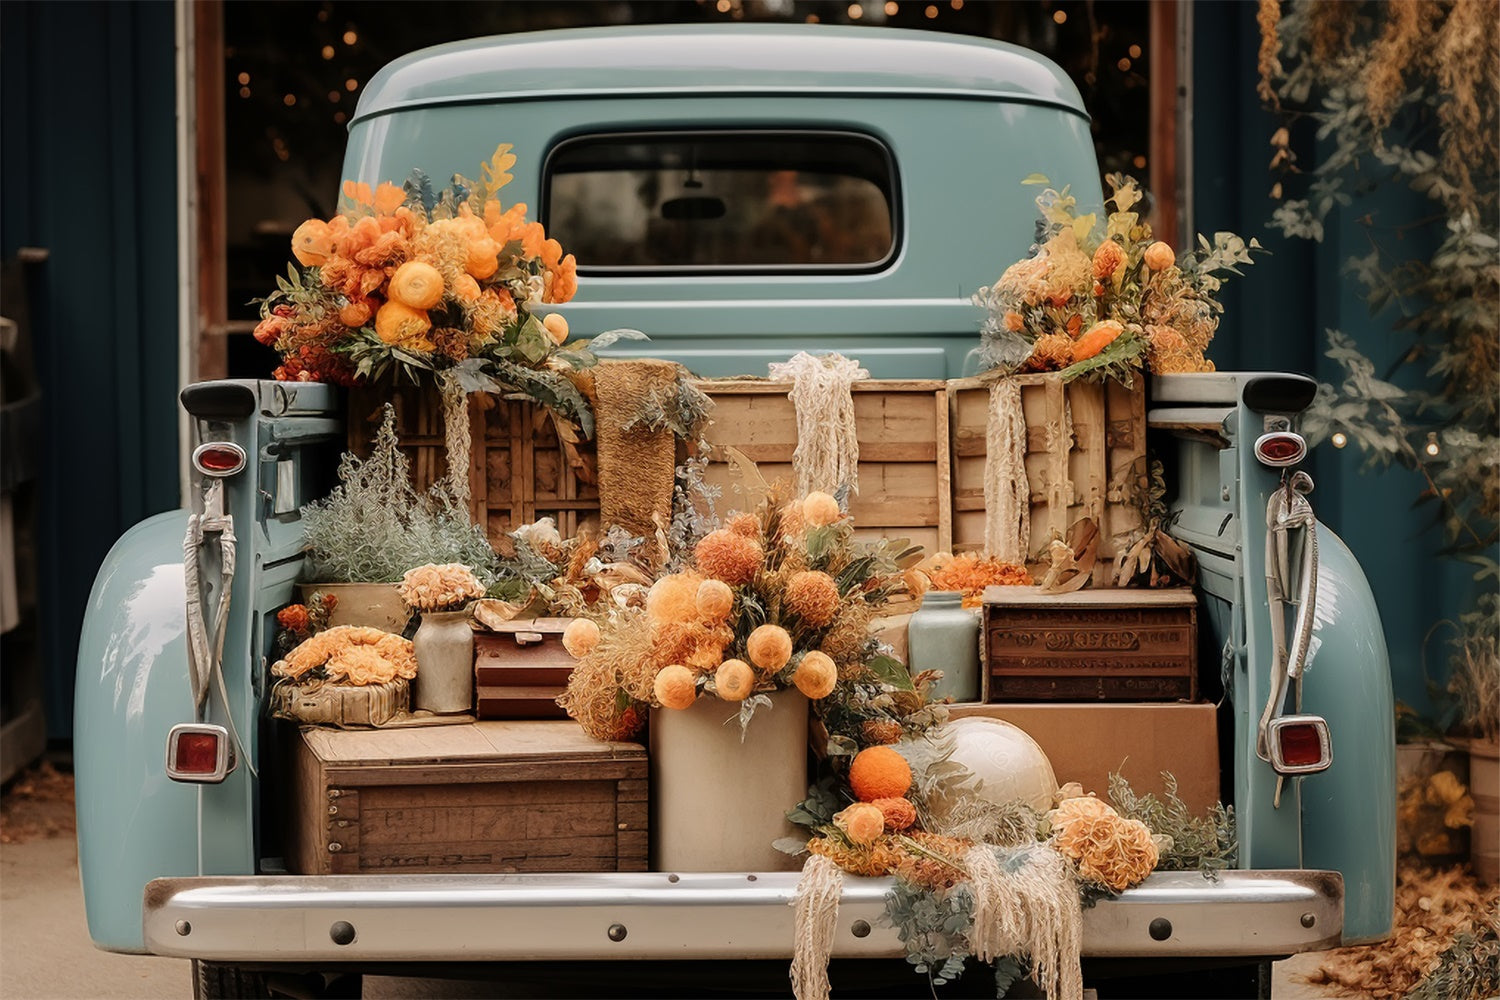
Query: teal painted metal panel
x=694 y=59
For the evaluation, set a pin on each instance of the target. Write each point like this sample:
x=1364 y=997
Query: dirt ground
x=45 y=952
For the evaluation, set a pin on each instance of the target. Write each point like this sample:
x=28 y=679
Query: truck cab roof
x=741 y=59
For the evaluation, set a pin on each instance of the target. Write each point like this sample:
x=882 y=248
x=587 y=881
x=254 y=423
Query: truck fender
x=134 y=823
x=1349 y=811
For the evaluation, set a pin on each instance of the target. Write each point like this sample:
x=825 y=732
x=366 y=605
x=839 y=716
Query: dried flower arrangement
x=778 y=598
x=348 y=654
x=443 y=285
x=551 y=575
x=1103 y=302
x=440 y=587
x=969 y=573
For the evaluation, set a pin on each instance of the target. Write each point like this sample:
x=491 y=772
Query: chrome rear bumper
x=471 y=918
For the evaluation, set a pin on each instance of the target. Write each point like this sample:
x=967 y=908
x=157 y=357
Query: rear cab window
x=741 y=201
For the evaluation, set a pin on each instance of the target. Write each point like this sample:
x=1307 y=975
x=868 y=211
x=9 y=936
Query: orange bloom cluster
x=969 y=574
x=1107 y=847
x=440 y=282
x=354 y=654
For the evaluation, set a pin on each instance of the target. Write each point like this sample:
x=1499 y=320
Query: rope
x=1007 y=493
x=456 y=438
x=817 y=903
x=827 y=455
x=1029 y=906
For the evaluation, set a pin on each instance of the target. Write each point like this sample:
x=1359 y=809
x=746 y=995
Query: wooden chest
x=481 y=797
x=520 y=668
x=1093 y=645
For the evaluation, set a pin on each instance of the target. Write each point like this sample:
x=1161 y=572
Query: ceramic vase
x=717 y=803
x=444 y=645
x=944 y=635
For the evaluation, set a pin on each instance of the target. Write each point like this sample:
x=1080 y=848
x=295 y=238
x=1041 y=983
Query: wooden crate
x=1092 y=645
x=518 y=471
x=1082 y=440
x=520 y=668
x=903 y=451
x=483 y=797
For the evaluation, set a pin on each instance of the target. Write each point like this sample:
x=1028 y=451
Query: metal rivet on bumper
x=1160 y=929
x=1308 y=920
x=861 y=928
x=342 y=932
x=617 y=932
x=184 y=928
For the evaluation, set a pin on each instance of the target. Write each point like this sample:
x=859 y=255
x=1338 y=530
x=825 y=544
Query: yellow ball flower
x=674 y=687
x=819 y=509
x=1159 y=256
x=715 y=600
x=580 y=637
x=769 y=648
x=734 y=680
x=816 y=675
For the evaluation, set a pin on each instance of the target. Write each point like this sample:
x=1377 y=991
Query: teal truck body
x=955 y=125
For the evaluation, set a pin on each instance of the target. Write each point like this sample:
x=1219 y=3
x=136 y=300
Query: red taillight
x=1300 y=744
x=199 y=753
x=219 y=458
x=1280 y=449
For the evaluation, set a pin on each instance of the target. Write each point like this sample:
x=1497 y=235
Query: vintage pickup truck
x=928 y=137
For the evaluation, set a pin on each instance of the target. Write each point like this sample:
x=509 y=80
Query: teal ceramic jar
x=944 y=635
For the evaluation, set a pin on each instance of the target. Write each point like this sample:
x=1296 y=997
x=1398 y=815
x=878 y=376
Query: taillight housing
x=1299 y=744
x=1280 y=449
x=218 y=458
x=199 y=753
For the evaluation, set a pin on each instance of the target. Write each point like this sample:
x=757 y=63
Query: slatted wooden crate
x=902 y=428
x=518 y=471
x=484 y=797
x=1082 y=440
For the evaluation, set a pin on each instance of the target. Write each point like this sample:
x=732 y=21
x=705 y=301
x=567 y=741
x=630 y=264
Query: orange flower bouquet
x=769 y=600
x=448 y=285
x=1092 y=301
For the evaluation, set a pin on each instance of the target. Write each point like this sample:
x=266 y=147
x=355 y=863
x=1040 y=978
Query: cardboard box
x=1140 y=740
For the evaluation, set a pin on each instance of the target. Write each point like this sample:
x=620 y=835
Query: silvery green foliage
x=693 y=512
x=1206 y=843
x=934 y=926
x=374 y=526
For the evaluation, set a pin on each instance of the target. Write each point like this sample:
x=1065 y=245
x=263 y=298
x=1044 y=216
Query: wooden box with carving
x=1092 y=645
x=526 y=796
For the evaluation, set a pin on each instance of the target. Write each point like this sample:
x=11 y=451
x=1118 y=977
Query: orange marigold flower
x=466 y=288
x=561 y=284
x=484 y=257
x=726 y=556
x=1159 y=256
x=862 y=823
x=271 y=329
x=899 y=813
x=416 y=284
x=550 y=254
x=360 y=236
x=390 y=250
x=312 y=243
x=356 y=314
x=813 y=597
x=388 y=197
x=294 y=617
x=396 y=322
x=532 y=236
x=1108 y=259
x=358 y=193
x=879 y=773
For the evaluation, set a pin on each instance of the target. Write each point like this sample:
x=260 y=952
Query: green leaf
x=532 y=342
x=1035 y=179
x=891 y=672
x=610 y=337
x=790 y=845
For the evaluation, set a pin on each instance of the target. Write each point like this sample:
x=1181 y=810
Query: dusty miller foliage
x=374 y=526
x=1205 y=843
x=1406 y=94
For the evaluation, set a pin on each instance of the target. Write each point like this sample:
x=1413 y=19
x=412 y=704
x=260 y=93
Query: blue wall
x=89 y=173
x=1277 y=318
